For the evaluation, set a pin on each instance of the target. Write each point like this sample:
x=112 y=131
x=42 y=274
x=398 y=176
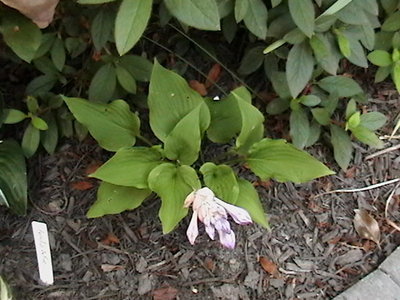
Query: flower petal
x=189 y=199
x=221 y=224
x=210 y=229
x=193 y=230
x=227 y=239
x=238 y=214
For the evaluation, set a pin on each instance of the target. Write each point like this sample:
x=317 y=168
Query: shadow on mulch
x=312 y=241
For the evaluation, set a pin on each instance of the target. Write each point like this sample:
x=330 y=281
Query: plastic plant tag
x=43 y=254
x=3 y=199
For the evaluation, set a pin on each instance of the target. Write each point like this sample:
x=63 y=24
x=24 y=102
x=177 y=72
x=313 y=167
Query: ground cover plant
x=129 y=74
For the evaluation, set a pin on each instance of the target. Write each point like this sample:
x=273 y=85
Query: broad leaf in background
x=299 y=68
x=367 y=136
x=325 y=53
x=248 y=199
x=114 y=199
x=173 y=184
x=283 y=162
x=396 y=75
x=103 y=84
x=21 y=35
x=129 y=167
x=102 y=28
x=303 y=15
x=13 y=181
x=131 y=21
x=221 y=180
x=199 y=14
x=256 y=17
x=178 y=114
x=139 y=67
x=112 y=125
x=342 y=147
x=299 y=127
x=380 y=58
x=373 y=120
x=49 y=137
x=340 y=85
x=30 y=140
x=241 y=7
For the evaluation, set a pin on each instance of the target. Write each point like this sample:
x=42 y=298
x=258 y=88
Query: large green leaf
x=283 y=162
x=129 y=167
x=21 y=35
x=340 y=85
x=248 y=199
x=299 y=68
x=367 y=136
x=114 y=199
x=103 y=84
x=199 y=14
x=113 y=125
x=299 y=127
x=221 y=180
x=255 y=18
x=178 y=114
x=342 y=147
x=324 y=53
x=380 y=58
x=13 y=183
x=102 y=28
x=139 y=67
x=49 y=137
x=373 y=120
x=131 y=21
x=30 y=140
x=241 y=7
x=173 y=184
x=303 y=15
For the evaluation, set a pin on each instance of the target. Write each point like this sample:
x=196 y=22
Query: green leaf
x=249 y=200
x=251 y=61
x=13 y=116
x=342 y=147
x=396 y=75
x=273 y=46
x=221 y=180
x=256 y=18
x=21 y=35
x=102 y=28
x=340 y=85
x=49 y=137
x=103 y=84
x=112 y=125
x=138 y=66
x=357 y=56
x=283 y=162
x=392 y=23
x=280 y=84
x=295 y=36
x=310 y=100
x=13 y=182
x=299 y=127
x=335 y=7
x=353 y=121
x=382 y=73
x=173 y=184
x=351 y=108
x=366 y=136
x=129 y=167
x=344 y=44
x=178 y=115
x=241 y=7
x=57 y=54
x=199 y=14
x=299 y=68
x=41 y=85
x=39 y=123
x=277 y=106
x=315 y=133
x=324 y=53
x=126 y=80
x=130 y=23
x=114 y=199
x=373 y=120
x=30 y=140
x=252 y=125
x=303 y=15
x=322 y=116
x=380 y=58
x=32 y=104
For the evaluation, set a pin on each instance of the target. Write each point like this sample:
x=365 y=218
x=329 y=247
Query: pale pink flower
x=214 y=212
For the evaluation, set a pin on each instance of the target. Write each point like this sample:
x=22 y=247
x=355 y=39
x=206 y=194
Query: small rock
x=146 y=284
x=65 y=262
x=350 y=257
x=252 y=279
x=141 y=265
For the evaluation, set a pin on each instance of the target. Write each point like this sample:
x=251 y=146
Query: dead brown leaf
x=90 y=169
x=269 y=266
x=209 y=264
x=198 y=87
x=213 y=75
x=110 y=239
x=82 y=185
x=165 y=293
x=366 y=226
x=109 y=268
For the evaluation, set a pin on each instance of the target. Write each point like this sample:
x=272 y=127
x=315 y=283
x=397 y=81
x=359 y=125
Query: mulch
x=311 y=252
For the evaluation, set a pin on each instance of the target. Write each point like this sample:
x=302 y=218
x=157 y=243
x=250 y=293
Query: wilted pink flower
x=213 y=212
x=41 y=12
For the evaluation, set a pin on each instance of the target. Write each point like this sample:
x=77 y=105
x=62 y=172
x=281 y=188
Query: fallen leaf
x=90 y=169
x=269 y=266
x=351 y=172
x=110 y=239
x=198 y=87
x=213 y=75
x=109 y=268
x=82 y=185
x=366 y=226
x=209 y=264
x=165 y=293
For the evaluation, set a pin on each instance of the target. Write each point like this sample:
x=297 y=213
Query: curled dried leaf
x=198 y=87
x=269 y=266
x=366 y=226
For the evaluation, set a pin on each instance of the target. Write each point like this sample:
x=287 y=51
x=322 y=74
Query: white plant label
x=43 y=254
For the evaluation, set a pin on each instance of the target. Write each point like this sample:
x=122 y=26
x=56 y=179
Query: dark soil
x=311 y=252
